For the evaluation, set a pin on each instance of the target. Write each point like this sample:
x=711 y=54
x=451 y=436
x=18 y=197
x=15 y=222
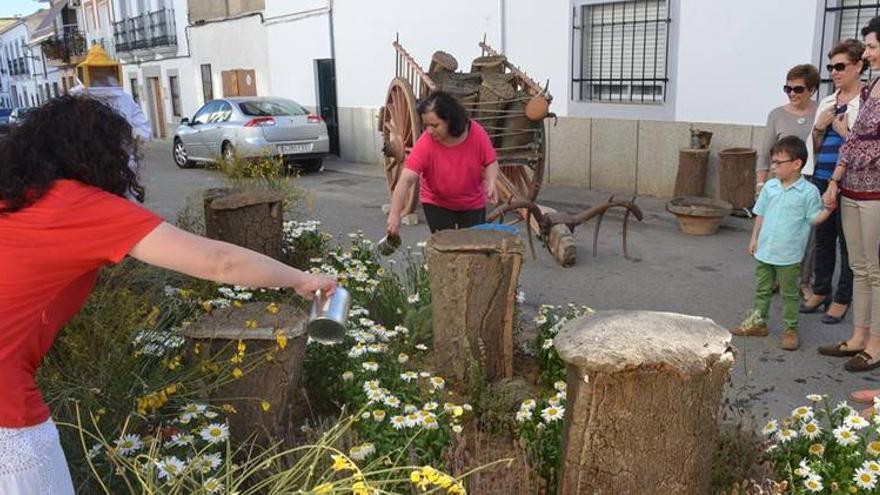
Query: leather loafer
x=838 y=350
x=862 y=362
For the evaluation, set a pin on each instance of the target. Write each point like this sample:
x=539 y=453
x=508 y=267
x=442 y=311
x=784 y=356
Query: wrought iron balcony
x=146 y=31
x=65 y=47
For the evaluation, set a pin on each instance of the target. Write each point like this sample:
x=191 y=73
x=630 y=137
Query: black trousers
x=440 y=218
x=829 y=235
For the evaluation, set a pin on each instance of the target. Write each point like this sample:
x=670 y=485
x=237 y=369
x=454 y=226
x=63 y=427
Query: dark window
x=55 y=89
x=207 y=83
x=174 y=86
x=274 y=108
x=134 y=90
x=623 y=51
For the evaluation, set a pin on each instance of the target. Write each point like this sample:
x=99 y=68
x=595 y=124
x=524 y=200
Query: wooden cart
x=521 y=143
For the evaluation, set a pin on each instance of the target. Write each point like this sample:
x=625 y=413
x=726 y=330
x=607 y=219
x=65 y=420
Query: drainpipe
x=332 y=31
x=503 y=7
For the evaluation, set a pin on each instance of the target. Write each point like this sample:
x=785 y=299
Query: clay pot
x=698 y=216
x=537 y=108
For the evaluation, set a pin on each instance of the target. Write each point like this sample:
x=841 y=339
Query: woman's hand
x=312 y=283
x=491 y=192
x=829 y=199
x=392 y=226
x=824 y=119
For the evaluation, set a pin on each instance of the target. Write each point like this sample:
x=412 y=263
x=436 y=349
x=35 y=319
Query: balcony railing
x=17 y=67
x=152 y=30
x=65 y=46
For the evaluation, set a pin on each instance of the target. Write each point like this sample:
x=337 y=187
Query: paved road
x=708 y=276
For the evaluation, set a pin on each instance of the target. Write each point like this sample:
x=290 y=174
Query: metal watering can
x=328 y=319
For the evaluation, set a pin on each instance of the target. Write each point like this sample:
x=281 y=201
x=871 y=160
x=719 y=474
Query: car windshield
x=271 y=108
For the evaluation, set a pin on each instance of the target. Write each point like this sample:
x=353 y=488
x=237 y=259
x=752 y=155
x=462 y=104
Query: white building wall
x=228 y=45
x=733 y=56
x=297 y=35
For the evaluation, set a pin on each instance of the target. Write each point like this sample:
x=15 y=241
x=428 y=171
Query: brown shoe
x=790 y=340
x=862 y=362
x=838 y=350
x=752 y=326
x=759 y=330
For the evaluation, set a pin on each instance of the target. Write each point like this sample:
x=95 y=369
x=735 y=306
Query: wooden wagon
x=512 y=108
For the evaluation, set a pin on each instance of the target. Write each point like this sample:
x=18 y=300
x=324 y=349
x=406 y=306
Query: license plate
x=287 y=149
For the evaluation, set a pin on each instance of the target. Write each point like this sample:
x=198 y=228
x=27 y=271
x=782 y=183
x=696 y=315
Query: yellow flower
x=237 y=304
x=360 y=488
x=457 y=411
x=207 y=306
x=241 y=345
x=273 y=308
x=185 y=293
x=415 y=477
x=265 y=406
x=198 y=348
x=229 y=408
x=236 y=373
x=281 y=339
x=323 y=489
x=340 y=462
x=171 y=389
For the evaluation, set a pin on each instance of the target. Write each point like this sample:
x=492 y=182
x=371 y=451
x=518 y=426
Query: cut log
x=643 y=398
x=691 y=178
x=473 y=276
x=251 y=219
x=276 y=381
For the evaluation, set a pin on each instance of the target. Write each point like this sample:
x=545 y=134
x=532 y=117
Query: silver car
x=252 y=127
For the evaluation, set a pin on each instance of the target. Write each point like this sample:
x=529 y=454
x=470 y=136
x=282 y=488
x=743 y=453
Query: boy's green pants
x=788 y=277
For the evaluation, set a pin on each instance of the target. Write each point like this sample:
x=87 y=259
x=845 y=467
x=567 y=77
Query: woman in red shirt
x=456 y=163
x=64 y=176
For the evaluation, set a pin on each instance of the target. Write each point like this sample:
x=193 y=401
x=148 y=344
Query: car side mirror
x=184 y=121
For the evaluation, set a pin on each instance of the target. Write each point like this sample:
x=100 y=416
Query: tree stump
x=251 y=219
x=692 y=166
x=276 y=381
x=736 y=176
x=473 y=276
x=644 y=392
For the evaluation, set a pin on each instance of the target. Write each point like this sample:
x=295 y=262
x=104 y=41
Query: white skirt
x=32 y=462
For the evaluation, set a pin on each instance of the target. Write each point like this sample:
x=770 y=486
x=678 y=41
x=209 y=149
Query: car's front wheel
x=181 y=159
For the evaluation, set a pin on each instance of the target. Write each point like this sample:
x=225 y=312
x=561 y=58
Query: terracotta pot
x=698 y=216
x=537 y=108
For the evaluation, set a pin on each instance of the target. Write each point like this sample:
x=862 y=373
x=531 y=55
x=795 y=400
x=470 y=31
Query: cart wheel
x=401 y=126
x=522 y=176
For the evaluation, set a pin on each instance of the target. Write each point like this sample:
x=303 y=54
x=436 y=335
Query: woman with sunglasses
x=792 y=119
x=834 y=118
x=857 y=179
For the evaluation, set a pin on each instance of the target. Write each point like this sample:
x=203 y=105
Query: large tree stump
x=473 y=276
x=251 y=219
x=736 y=176
x=644 y=392
x=278 y=375
x=692 y=167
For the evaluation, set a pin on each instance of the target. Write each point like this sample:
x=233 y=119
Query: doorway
x=157 y=107
x=326 y=73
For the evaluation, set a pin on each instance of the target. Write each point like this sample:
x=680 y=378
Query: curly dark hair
x=447 y=108
x=70 y=137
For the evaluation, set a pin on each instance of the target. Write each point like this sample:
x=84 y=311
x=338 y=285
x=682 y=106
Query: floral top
x=860 y=154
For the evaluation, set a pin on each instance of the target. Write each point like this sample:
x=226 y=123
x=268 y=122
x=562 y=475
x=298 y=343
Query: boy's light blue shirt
x=787 y=215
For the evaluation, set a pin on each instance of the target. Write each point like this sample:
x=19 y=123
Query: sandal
x=862 y=362
x=838 y=350
x=864 y=396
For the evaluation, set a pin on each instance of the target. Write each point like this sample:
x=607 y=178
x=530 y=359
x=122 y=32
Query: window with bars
x=134 y=90
x=207 y=83
x=844 y=19
x=622 y=46
x=174 y=88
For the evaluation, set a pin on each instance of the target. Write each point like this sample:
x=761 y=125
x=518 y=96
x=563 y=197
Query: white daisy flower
x=95 y=450
x=803 y=412
x=771 y=427
x=402 y=358
x=553 y=413
x=212 y=485
x=378 y=415
x=874 y=448
x=547 y=344
x=430 y=422
x=814 y=484
x=540 y=319
x=786 y=435
x=371 y=385
x=391 y=401
x=529 y=404
x=357 y=453
x=398 y=422
x=410 y=409
x=215 y=432
x=348 y=376
x=865 y=479
x=811 y=429
x=170 y=467
x=413 y=299
x=192 y=411
x=437 y=383
x=370 y=366
x=412 y=420
x=457 y=428
x=430 y=406
x=814 y=397
x=424 y=374
x=560 y=386
x=421 y=347
x=181 y=440
x=856 y=422
x=520 y=297
x=841 y=406
x=128 y=444
x=523 y=415
x=803 y=470
x=845 y=436
x=409 y=376
x=872 y=466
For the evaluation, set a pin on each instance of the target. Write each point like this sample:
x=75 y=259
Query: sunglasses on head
x=793 y=89
x=839 y=67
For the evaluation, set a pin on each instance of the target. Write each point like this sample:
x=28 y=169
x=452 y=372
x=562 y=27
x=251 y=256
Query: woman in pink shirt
x=456 y=163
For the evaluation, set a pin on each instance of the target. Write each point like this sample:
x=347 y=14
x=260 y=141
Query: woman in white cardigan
x=835 y=116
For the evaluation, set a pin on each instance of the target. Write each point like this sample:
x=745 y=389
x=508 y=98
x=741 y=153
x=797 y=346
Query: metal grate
x=843 y=19
x=623 y=50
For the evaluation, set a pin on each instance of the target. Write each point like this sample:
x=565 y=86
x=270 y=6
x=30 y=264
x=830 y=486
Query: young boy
x=786 y=208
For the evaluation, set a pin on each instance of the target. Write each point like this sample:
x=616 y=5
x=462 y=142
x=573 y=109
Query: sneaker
x=790 y=340
x=752 y=326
